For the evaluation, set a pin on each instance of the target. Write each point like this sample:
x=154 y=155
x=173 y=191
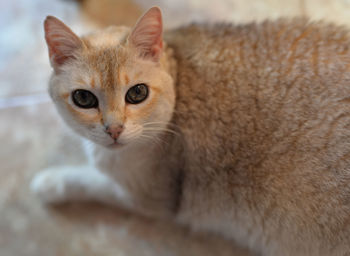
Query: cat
x=240 y=130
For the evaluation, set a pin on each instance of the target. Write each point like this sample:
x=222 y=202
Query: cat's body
x=264 y=110
x=256 y=145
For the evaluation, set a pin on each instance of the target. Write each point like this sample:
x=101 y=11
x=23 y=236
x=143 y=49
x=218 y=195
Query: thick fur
x=264 y=113
x=257 y=145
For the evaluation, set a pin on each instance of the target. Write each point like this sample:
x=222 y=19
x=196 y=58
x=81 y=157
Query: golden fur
x=264 y=112
x=257 y=143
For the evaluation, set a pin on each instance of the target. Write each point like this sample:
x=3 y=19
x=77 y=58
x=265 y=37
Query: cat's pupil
x=138 y=90
x=84 y=97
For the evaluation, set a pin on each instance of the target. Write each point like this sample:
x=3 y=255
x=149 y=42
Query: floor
x=33 y=137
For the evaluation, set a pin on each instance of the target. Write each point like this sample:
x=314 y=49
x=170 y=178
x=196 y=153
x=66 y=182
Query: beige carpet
x=33 y=137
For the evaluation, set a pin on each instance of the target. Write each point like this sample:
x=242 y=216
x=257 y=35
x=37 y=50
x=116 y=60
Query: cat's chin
x=113 y=146
x=124 y=145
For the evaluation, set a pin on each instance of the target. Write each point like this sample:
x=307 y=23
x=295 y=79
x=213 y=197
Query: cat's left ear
x=146 y=37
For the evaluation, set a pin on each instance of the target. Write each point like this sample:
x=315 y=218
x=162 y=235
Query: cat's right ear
x=61 y=41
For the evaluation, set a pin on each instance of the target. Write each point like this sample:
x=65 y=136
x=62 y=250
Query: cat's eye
x=84 y=99
x=137 y=94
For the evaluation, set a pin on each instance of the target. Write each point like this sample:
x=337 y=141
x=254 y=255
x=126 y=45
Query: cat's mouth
x=115 y=144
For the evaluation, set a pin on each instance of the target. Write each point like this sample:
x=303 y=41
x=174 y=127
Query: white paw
x=49 y=186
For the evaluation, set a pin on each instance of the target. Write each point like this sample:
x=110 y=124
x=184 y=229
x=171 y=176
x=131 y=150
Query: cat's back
x=262 y=54
x=265 y=109
x=262 y=79
x=260 y=45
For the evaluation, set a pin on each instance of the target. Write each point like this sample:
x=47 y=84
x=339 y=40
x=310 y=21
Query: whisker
x=159 y=129
x=130 y=135
x=161 y=122
x=152 y=139
x=167 y=124
x=157 y=138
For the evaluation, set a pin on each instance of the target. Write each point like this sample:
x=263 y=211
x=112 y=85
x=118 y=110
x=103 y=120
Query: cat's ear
x=146 y=36
x=61 y=41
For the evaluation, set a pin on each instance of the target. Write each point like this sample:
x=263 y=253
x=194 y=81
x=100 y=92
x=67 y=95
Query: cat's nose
x=114 y=130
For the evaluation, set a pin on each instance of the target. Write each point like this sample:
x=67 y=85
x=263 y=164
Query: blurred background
x=33 y=137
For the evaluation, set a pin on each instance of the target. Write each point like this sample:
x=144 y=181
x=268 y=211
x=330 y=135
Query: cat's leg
x=83 y=183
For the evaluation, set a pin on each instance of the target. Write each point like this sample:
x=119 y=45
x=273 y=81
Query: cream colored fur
x=256 y=146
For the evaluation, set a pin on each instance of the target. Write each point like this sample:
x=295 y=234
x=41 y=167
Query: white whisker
x=153 y=139
x=159 y=129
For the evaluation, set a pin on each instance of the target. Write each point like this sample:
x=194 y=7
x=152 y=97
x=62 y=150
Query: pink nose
x=114 y=130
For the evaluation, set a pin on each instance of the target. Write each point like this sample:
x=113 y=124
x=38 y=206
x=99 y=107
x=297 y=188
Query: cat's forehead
x=106 y=66
x=105 y=53
x=108 y=62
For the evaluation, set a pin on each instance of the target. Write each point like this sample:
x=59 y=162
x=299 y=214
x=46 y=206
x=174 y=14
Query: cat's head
x=112 y=87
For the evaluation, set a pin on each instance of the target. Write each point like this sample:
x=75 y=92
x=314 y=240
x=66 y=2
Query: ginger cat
x=239 y=130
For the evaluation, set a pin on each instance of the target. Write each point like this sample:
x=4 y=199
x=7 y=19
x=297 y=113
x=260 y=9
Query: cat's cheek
x=99 y=139
x=138 y=112
x=86 y=123
x=84 y=116
x=131 y=133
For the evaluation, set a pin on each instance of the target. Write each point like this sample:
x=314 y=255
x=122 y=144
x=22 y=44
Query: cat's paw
x=49 y=187
x=84 y=183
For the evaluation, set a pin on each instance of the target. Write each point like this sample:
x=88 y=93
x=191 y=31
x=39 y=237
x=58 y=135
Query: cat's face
x=111 y=87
